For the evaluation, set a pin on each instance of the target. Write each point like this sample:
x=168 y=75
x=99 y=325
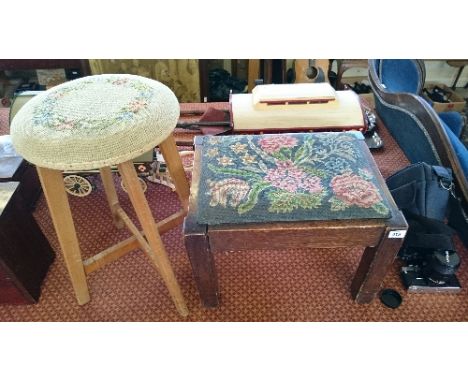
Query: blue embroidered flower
x=337 y=165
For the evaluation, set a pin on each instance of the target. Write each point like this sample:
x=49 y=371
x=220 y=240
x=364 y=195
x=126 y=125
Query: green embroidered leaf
x=366 y=174
x=262 y=166
x=309 y=141
x=284 y=202
x=254 y=169
x=314 y=171
x=307 y=155
x=252 y=197
x=286 y=152
x=380 y=208
x=281 y=202
x=233 y=171
x=337 y=204
x=300 y=154
x=309 y=201
x=280 y=155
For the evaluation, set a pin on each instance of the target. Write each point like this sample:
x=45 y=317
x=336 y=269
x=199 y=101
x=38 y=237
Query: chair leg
x=176 y=170
x=159 y=258
x=57 y=201
x=111 y=194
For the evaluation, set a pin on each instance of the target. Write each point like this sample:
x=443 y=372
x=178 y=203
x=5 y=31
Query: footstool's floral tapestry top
x=287 y=177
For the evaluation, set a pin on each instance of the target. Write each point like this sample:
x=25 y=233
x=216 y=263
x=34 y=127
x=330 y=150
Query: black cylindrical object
x=440 y=266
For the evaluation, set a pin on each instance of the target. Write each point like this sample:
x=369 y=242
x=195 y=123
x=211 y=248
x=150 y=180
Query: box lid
x=293 y=93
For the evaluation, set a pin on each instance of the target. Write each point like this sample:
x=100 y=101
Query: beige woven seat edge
x=97 y=122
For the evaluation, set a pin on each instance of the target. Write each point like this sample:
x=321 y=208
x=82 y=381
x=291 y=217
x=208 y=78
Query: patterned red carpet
x=293 y=285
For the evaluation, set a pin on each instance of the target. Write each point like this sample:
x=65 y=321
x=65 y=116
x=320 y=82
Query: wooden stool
x=93 y=123
x=280 y=191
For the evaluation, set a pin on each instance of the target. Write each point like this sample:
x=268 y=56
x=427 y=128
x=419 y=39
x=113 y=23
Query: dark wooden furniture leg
x=203 y=266
x=197 y=242
x=376 y=260
x=374 y=266
x=204 y=83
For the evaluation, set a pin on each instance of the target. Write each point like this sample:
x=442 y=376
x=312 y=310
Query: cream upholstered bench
x=93 y=123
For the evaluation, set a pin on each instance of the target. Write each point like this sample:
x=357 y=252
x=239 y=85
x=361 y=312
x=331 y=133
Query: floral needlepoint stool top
x=287 y=177
x=94 y=122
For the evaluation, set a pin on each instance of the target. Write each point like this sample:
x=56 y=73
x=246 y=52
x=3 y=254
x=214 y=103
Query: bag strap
x=444 y=175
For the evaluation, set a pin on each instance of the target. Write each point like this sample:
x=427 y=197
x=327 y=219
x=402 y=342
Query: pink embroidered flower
x=68 y=125
x=312 y=184
x=137 y=105
x=235 y=189
x=352 y=189
x=288 y=177
x=273 y=144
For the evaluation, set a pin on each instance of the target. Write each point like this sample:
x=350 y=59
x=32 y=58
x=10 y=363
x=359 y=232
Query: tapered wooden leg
x=57 y=200
x=176 y=170
x=111 y=194
x=203 y=267
x=197 y=242
x=373 y=267
x=150 y=229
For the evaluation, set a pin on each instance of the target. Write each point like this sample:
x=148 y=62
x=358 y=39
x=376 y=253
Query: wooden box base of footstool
x=382 y=239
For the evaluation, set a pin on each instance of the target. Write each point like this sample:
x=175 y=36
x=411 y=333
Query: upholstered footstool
x=278 y=191
x=93 y=123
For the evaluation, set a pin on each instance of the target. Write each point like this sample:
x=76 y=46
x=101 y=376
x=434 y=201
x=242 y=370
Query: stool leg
x=111 y=194
x=160 y=259
x=57 y=201
x=176 y=170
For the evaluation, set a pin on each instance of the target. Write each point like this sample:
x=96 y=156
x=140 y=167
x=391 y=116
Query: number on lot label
x=398 y=234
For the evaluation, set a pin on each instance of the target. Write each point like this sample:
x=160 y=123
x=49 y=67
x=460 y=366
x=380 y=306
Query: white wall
x=440 y=71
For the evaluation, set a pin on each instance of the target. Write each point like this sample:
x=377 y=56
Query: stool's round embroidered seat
x=93 y=123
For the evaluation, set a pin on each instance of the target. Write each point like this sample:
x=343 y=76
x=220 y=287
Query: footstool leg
x=57 y=200
x=111 y=194
x=160 y=259
x=176 y=169
x=203 y=267
x=373 y=267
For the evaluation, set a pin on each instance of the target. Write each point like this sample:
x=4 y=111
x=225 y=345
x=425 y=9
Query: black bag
x=422 y=189
x=422 y=192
